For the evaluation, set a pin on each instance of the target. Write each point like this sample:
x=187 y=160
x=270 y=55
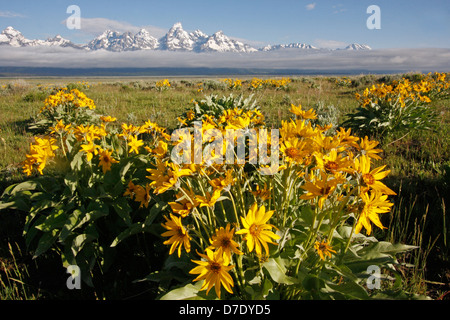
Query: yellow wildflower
x=257 y=231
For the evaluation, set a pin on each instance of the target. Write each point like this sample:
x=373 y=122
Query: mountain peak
x=357 y=46
x=9 y=28
x=10 y=31
x=177 y=25
x=176 y=39
x=288 y=46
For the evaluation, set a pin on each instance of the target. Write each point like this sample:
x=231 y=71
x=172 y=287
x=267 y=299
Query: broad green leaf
x=77 y=161
x=124 y=169
x=18 y=203
x=188 y=292
x=123 y=209
x=45 y=242
x=383 y=248
x=349 y=289
x=70 y=223
x=154 y=211
x=90 y=217
x=29 y=185
x=71 y=181
x=277 y=271
x=133 y=229
x=80 y=240
x=55 y=220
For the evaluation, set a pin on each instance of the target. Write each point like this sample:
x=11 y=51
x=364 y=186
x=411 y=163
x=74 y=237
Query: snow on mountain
x=144 y=40
x=219 y=42
x=357 y=47
x=14 y=38
x=176 y=39
x=287 y=46
x=116 y=41
x=198 y=36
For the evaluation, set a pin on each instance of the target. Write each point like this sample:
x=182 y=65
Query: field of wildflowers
x=108 y=195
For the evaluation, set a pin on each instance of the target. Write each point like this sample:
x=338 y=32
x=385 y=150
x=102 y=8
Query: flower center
x=325 y=191
x=180 y=232
x=215 y=267
x=368 y=178
x=331 y=166
x=225 y=242
x=255 y=230
x=292 y=152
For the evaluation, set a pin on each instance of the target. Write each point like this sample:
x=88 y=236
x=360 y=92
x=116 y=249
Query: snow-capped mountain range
x=176 y=39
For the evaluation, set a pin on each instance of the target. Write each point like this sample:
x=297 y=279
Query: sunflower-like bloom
x=214 y=271
x=131 y=190
x=320 y=188
x=134 y=143
x=142 y=195
x=323 y=249
x=262 y=193
x=209 y=200
x=177 y=233
x=257 y=231
x=295 y=150
x=371 y=178
x=106 y=160
x=166 y=175
x=368 y=148
x=333 y=162
x=40 y=152
x=223 y=181
x=60 y=128
x=373 y=205
x=184 y=203
x=310 y=114
x=91 y=149
x=108 y=119
x=223 y=241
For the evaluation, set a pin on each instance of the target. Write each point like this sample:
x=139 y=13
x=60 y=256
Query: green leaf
x=70 y=223
x=154 y=211
x=125 y=168
x=188 y=292
x=123 y=209
x=277 y=271
x=45 y=242
x=71 y=181
x=80 y=240
x=18 y=203
x=77 y=161
x=91 y=216
x=383 y=249
x=30 y=185
x=349 y=289
x=133 y=229
x=55 y=220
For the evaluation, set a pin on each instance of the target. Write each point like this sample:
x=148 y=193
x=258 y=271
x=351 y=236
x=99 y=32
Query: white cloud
x=96 y=26
x=9 y=14
x=310 y=6
x=338 y=8
x=389 y=60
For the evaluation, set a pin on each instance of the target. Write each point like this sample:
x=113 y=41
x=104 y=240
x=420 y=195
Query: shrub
x=289 y=231
x=387 y=109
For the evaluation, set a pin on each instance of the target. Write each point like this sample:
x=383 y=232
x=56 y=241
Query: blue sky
x=323 y=23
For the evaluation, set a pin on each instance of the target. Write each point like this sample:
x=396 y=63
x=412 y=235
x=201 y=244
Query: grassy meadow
x=419 y=161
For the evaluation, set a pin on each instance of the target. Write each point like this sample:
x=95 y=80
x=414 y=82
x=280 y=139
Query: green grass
x=419 y=161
